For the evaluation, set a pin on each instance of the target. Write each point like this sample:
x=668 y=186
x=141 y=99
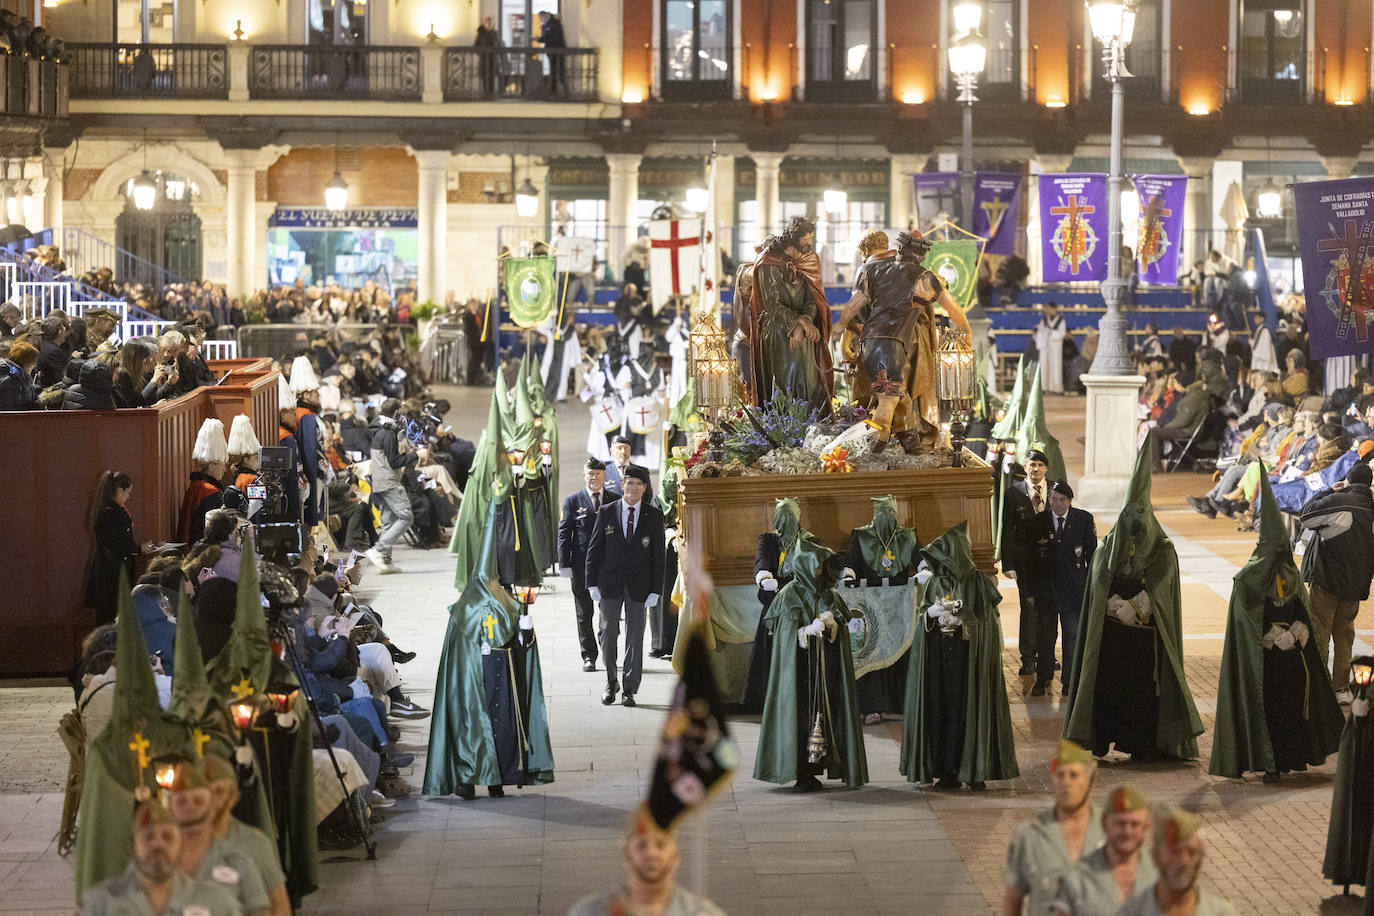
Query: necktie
x=1059 y=527
x=596 y=502
x=630 y=525
x=1038 y=501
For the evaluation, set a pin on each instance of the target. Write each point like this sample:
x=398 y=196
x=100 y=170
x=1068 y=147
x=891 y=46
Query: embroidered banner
x=1073 y=222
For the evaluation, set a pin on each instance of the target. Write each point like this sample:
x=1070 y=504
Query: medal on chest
x=888 y=559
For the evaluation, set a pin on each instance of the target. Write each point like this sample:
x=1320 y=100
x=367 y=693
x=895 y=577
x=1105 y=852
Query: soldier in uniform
x=893 y=301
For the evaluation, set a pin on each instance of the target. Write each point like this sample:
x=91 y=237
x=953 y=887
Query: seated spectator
x=17 y=391
x=1295 y=379
x=10 y=318
x=1189 y=413
x=52 y=356
x=1342 y=398
x=93 y=391
x=153 y=603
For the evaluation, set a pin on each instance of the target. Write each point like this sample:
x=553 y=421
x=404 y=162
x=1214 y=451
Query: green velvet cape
x=1137 y=547
x=989 y=748
x=1241 y=739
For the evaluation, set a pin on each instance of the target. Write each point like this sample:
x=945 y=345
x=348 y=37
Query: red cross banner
x=674 y=258
x=575 y=255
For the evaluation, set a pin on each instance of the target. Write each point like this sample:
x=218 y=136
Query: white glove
x=1119 y=608
x=848 y=575
x=548 y=461
x=595 y=593
x=815 y=627
x=651 y=601
x=769 y=584
x=1284 y=641
x=828 y=621
x=857 y=626
x=565 y=572
x=518 y=470
x=1359 y=708
x=669 y=535
x=924 y=572
x=801 y=636
x=526 y=622
x=935 y=610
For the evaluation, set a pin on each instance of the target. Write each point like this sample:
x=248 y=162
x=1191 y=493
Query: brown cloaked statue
x=783 y=297
x=889 y=327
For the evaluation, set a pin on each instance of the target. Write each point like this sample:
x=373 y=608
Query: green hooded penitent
x=121 y=757
x=1035 y=433
x=1007 y=427
x=989 y=751
x=880 y=550
x=533 y=484
x=1136 y=562
x=490 y=481
x=546 y=410
x=788 y=710
x=1349 y=855
x=463 y=746
x=192 y=699
x=246 y=666
x=1276 y=710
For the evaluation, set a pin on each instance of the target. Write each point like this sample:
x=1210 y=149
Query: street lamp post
x=1113 y=387
x=967 y=59
x=1112 y=24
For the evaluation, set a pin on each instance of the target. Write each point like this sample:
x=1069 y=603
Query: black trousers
x=1026 y=631
x=1053 y=613
x=586 y=620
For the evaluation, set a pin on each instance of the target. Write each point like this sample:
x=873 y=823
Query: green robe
x=462 y=746
x=1038 y=860
x=989 y=749
x=489 y=481
x=1136 y=547
x=104 y=839
x=1242 y=736
x=1034 y=432
x=1015 y=405
x=810 y=594
x=1089 y=888
x=547 y=412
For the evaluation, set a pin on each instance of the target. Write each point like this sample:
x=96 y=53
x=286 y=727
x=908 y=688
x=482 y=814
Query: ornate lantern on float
x=713 y=376
x=957 y=365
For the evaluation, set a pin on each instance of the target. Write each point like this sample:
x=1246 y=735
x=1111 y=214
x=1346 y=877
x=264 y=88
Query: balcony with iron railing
x=117 y=70
x=361 y=72
x=33 y=87
x=1266 y=75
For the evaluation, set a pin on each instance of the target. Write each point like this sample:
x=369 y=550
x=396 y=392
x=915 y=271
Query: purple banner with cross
x=1336 y=240
x=996 y=207
x=1073 y=227
x=1162 y=200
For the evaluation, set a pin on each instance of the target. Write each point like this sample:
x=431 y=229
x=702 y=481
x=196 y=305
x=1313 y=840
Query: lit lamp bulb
x=527 y=594
x=243 y=713
x=1362 y=670
x=835 y=200
x=526 y=200
x=166 y=776
x=336 y=192
x=1270 y=201
x=145 y=191
x=698 y=197
x=967 y=16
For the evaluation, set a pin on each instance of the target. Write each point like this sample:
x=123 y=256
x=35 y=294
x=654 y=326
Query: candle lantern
x=713 y=377
x=957 y=365
x=526 y=594
x=244 y=713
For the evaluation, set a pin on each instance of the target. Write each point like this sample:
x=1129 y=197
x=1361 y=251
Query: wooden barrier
x=723 y=516
x=55 y=459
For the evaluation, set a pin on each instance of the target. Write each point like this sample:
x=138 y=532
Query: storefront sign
x=351 y=218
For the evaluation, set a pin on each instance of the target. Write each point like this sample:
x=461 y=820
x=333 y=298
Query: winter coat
x=391 y=455
x=17 y=391
x=94 y=390
x=1344 y=559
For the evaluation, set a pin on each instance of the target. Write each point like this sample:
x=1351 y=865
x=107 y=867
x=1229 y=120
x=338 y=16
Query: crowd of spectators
x=1242 y=406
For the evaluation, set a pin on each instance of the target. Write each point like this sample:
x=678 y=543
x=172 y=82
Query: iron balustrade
x=32 y=87
x=333 y=72
x=543 y=74
x=1266 y=74
x=131 y=70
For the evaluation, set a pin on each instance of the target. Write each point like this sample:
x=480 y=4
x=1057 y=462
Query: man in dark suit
x=620 y=460
x=574 y=536
x=625 y=570
x=1014 y=551
x=1063 y=539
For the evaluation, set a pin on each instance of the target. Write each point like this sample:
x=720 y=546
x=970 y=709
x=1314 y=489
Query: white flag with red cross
x=674 y=258
x=575 y=255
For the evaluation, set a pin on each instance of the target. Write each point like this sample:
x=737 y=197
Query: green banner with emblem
x=956 y=263
x=889 y=615
x=531 y=289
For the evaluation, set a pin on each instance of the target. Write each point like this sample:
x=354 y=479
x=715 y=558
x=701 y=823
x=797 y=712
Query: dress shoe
x=1058 y=666
x=1272 y=777
x=1202 y=506
x=627 y=700
x=496 y=792
x=588 y=665
x=1026 y=669
x=608 y=697
x=946 y=784
x=979 y=786
x=657 y=653
x=399 y=657
x=466 y=791
x=807 y=783
x=1039 y=689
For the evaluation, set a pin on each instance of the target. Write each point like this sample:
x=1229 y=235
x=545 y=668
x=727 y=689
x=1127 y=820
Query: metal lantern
x=957 y=367
x=713 y=369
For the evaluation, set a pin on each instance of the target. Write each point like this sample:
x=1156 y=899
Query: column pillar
x=1111 y=415
x=901 y=206
x=238 y=71
x=767 y=168
x=1197 y=212
x=433 y=223
x=620 y=209
x=52 y=197
x=240 y=221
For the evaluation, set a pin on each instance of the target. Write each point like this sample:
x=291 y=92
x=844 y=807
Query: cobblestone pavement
x=889 y=848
